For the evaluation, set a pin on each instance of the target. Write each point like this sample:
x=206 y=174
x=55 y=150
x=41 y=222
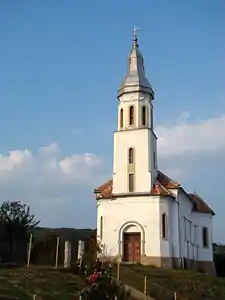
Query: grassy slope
x=45 y=283
x=162 y=283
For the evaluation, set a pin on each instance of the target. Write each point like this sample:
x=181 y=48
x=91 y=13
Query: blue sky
x=61 y=63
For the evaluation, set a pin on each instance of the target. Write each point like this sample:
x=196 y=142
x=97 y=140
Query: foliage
x=103 y=289
x=15 y=214
x=219 y=259
x=15 y=222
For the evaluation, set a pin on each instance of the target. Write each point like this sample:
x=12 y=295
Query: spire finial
x=135 y=38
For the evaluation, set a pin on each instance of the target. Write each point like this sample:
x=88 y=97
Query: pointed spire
x=135 y=80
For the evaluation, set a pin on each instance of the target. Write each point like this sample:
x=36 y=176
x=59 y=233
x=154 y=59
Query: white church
x=143 y=216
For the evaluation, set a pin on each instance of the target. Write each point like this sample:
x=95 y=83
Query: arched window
x=131 y=115
x=144 y=116
x=131 y=156
x=121 y=118
x=164 y=226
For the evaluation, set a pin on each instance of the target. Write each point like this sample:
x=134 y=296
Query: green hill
x=162 y=283
x=46 y=283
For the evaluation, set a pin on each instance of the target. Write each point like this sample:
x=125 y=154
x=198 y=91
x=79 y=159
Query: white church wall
x=203 y=220
x=124 y=212
x=174 y=229
x=185 y=208
x=139 y=140
x=164 y=205
x=191 y=227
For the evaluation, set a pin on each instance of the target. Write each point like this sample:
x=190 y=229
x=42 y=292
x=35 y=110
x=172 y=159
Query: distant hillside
x=64 y=234
x=45 y=239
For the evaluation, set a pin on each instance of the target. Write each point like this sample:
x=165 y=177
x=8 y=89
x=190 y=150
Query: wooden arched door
x=131 y=247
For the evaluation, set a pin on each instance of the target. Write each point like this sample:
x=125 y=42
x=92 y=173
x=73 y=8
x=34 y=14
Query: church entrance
x=131 y=247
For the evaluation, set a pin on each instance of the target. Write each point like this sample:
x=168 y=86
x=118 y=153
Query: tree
x=15 y=222
x=219 y=259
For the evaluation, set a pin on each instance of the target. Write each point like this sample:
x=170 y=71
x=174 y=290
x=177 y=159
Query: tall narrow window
x=185 y=229
x=131 y=183
x=121 y=118
x=154 y=160
x=101 y=228
x=164 y=226
x=131 y=115
x=144 y=116
x=205 y=237
x=151 y=119
x=195 y=234
x=131 y=156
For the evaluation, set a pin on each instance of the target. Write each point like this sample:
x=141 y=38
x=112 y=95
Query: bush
x=104 y=289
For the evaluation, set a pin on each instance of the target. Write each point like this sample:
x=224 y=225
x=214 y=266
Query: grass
x=47 y=284
x=162 y=283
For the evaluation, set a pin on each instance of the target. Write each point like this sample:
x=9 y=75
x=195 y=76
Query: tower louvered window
x=131 y=115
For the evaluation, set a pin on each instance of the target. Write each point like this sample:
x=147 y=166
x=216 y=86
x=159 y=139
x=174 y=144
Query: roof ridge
x=167 y=177
x=197 y=200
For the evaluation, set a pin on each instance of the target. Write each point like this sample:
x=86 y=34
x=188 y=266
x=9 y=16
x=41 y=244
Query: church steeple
x=135 y=148
x=135 y=80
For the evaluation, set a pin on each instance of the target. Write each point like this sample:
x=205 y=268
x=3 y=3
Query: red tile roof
x=105 y=190
x=167 y=181
x=200 y=205
x=161 y=187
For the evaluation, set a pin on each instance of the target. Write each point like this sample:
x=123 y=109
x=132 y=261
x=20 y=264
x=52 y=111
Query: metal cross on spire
x=135 y=30
x=135 y=39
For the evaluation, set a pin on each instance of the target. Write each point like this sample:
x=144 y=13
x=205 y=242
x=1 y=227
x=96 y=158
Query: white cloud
x=192 y=152
x=59 y=189
x=49 y=149
x=185 y=137
x=72 y=166
x=15 y=158
x=185 y=115
x=54 y=186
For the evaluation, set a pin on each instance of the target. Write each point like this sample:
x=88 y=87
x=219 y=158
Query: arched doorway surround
x=127 y=229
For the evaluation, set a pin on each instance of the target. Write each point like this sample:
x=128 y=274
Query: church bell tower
x=135 y=149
